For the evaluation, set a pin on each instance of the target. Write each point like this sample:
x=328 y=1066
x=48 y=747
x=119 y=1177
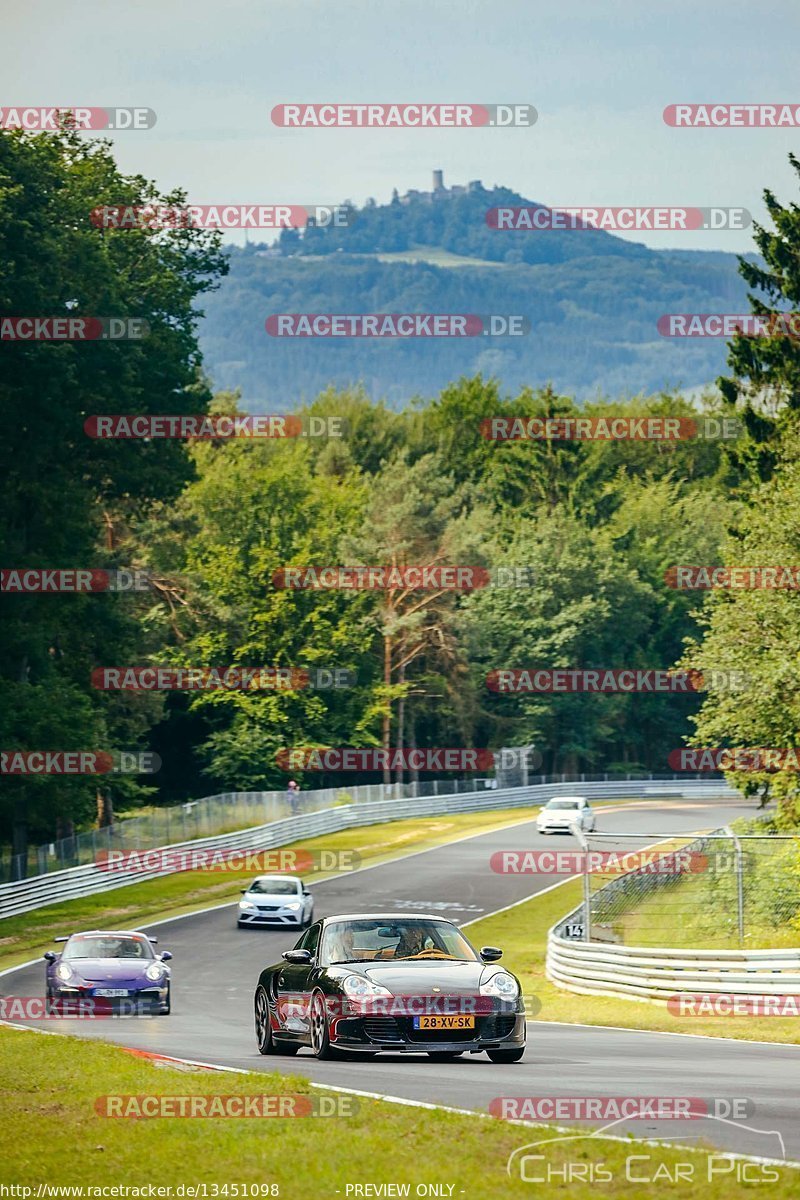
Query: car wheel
x=167 y=1009
x=266 y=1044
x=320 y=1035
x=444 y=1055
x=506 y=1056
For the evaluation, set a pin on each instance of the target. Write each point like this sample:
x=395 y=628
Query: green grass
x=687 y=916
x=436 y=256
x=522 y=933
x=54 y=1135
x=187 y=891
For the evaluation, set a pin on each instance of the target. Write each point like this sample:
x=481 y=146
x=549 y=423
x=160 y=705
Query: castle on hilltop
x=440 y=192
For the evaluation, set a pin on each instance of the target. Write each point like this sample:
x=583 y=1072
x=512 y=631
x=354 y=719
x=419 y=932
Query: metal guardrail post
x=587 y=884
x=739 y=881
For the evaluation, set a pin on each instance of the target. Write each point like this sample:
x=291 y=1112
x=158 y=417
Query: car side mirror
x=243 y=891
x=490 y=953
x=50 y=955
x=306 y=892
x=165 y=956
x=297 y=956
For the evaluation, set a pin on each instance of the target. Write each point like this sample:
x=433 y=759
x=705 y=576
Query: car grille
x=382 y=1029
x=268 y=907
x=498 y=1025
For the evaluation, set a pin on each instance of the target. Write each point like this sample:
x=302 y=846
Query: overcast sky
x=598 y=74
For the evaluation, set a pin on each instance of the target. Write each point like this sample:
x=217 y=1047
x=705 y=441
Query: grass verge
x=56 y=1136
x=522 y=933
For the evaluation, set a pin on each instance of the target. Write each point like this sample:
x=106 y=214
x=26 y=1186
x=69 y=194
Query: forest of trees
x=597 y=523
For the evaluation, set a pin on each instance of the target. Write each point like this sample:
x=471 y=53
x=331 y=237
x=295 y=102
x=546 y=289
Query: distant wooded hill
x=592 y=300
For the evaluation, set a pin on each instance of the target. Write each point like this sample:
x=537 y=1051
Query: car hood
x=421 y=977
x=109 y=970
x=270 y=898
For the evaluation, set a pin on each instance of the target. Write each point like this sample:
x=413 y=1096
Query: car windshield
x=275 y=887
x=386 y=940
x=106 y=945
x=564 y=804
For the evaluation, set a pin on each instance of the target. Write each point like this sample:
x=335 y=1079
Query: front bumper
x=397 y=1035
x=274 y=917
x=85 y=1002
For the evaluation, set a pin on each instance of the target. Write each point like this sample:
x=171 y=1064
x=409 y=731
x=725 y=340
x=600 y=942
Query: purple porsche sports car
x=120 y=969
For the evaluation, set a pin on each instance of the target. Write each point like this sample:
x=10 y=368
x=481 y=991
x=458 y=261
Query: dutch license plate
x=435 y=1022
x=110 y=991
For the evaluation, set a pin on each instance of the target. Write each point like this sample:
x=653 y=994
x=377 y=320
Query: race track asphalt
x=216 y=967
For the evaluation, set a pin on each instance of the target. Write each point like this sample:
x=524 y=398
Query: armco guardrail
x=659 y=973
x=27 y=894
x=597 y=968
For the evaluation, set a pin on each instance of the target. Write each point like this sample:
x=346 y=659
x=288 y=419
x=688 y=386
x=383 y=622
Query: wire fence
x=725 y=889
x=231 y=811
x=207 y=817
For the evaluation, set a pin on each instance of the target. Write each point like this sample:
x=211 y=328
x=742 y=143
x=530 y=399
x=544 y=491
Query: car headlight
x=64 y=971
x=501 y=984
x=293 y=907
x=154 y=971
x=246 y=904
x=357 y=987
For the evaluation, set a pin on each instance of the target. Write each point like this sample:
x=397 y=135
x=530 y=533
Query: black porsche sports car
x=390 y=983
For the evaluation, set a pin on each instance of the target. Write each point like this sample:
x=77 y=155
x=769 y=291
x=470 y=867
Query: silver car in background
x=275 y=900
x=563 y=813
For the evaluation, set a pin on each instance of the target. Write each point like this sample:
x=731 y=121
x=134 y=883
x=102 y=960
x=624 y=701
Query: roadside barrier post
x=739 y=882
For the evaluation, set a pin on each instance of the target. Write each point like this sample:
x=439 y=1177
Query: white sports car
x=563 y=813
x=275 y=900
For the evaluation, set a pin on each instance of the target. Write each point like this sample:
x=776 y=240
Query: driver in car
x=343 y=945
x=108 y=947
x=412 y=942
